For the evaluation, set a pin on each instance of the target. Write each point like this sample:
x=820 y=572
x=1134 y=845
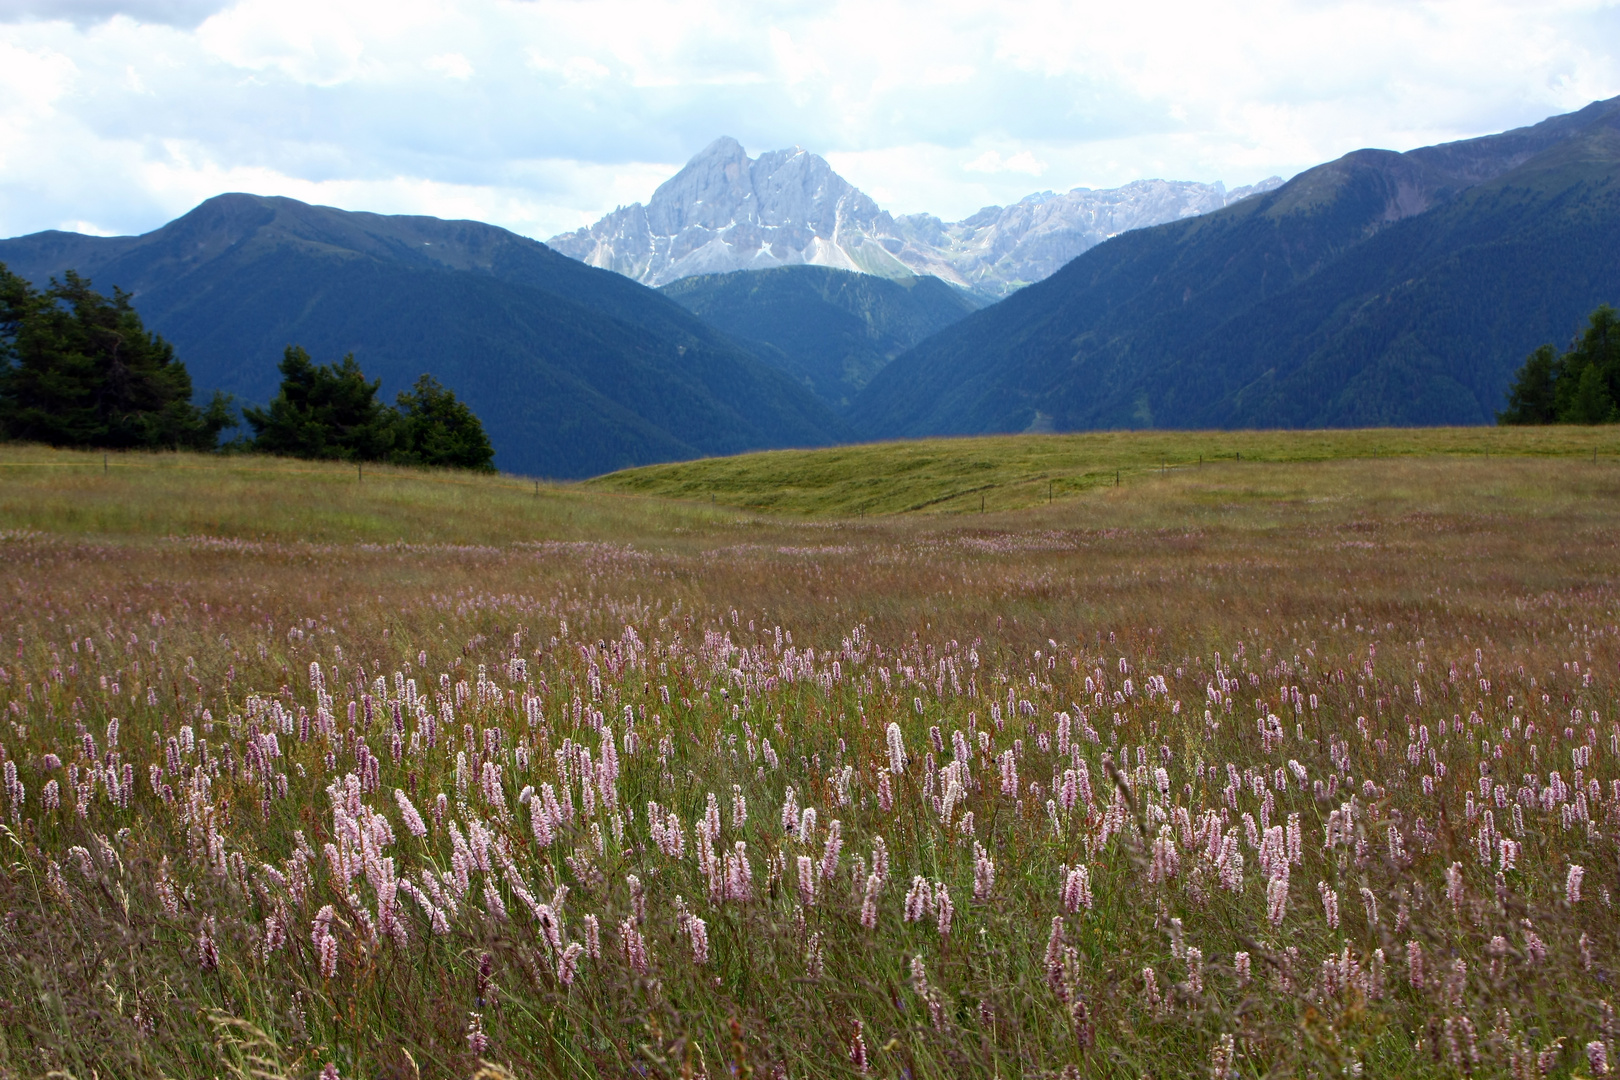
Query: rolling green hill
x=1378 y=289
x=573 y=370
x=1009 y=472
x=831 y=329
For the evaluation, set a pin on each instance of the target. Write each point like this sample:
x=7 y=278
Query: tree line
x=79 y=369
x=1578 y=386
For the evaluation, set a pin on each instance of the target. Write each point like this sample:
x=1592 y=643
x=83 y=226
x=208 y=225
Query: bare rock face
x=725 y=211
x=1000 y=249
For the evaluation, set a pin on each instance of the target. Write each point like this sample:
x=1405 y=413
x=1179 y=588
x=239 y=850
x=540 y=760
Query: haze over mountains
x=725 y=212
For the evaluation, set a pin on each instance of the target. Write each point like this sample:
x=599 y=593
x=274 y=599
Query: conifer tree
x=79 y=369
x=436 y=429
x=1581 y=386
x=323 y=411
x=332 y=411
x=1530 y=401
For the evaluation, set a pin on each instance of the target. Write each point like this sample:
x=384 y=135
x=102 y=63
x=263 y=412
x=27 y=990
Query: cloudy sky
x=118 y=115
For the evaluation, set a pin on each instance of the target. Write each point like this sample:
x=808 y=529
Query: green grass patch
x=1009 y=472
x=257 y=497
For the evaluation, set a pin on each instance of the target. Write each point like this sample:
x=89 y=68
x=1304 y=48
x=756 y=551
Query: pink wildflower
x=1414 y=964
x=943 y=909
x=568 y=963
x=413 y=820
x=835 y=844
x=1330 y=904
x=1076 y=891
x=698 y=931
x=1277 y=899
x=919 y=901
x=807 y=881
x=869 y=905
x=857 y=1051
x=984 y=873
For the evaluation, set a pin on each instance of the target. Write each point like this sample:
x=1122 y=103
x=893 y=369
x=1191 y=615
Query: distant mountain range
x=726 y=212
x=1381 y=288
x=573 y=370
x=830 y=329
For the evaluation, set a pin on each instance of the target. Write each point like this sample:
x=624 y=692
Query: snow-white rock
x=725 y=211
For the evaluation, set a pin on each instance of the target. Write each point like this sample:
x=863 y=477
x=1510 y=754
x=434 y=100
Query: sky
x=541 y=115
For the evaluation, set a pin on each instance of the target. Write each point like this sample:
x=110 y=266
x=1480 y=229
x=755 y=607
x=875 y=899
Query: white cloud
x=541 y=115
x=89 y=12
x=992 y=162
x=451 y=66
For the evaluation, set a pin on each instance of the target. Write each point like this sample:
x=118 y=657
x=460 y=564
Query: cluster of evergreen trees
x=1580 y=386
x=332 y=411
x=79 y=369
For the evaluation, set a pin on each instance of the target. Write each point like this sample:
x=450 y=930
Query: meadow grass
x=1380 y=691
x=255 y=496
x=1006 y=472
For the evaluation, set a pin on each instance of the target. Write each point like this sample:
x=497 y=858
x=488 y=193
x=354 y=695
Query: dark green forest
x=1578 y=386
x=832 y=330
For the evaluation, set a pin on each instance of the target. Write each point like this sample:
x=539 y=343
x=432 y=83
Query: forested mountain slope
x=573 y=370
x=1381 y=288
x=831 y=329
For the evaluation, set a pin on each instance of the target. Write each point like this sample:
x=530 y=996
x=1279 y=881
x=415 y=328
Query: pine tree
x=332 y=411
x=79 y=369
x=324 y=411
x=437 y=430
x=1581 y=386
x=1531 y=401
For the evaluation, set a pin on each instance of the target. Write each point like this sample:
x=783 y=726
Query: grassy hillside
x=1008 y=472
x=254 y=498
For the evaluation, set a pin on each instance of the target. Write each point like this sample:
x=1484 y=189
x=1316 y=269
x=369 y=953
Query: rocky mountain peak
x=725 y=211
x=712 y=190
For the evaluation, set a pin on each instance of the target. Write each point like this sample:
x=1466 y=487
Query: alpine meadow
x=844 y=541
x=1257 y=768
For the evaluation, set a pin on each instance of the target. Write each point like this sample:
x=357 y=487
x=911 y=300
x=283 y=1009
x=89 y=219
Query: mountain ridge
x=1378 y=288
x=573 y=370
